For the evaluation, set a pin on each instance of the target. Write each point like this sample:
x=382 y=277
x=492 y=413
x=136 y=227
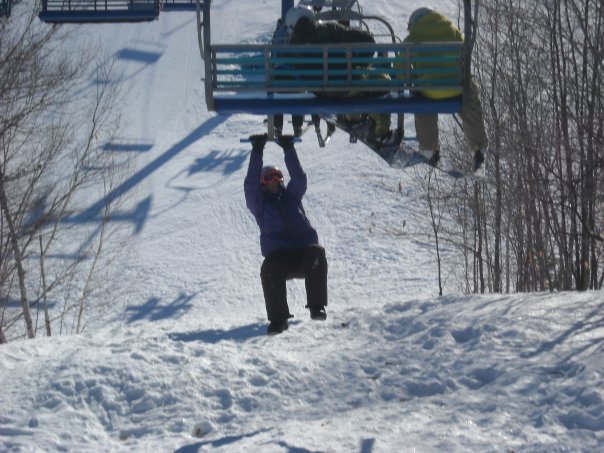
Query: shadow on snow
x=239 y=334
x=139 y=214
x=153 y=310
x=193 y=448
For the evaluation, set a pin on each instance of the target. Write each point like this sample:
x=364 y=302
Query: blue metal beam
x=97 y=16
x=306 y=106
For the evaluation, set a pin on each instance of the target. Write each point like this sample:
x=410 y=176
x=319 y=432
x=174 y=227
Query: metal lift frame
x=247 y=78
x=98 y=11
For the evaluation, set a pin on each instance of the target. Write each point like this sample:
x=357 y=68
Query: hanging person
x=288 y=242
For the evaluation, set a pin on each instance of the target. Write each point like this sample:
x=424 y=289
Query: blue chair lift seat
x=332 y=79
x=270 y=79
x=179 y=5
x=309 y=104
x=96 y=11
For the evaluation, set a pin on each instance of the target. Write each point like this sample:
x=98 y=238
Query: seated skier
x=281 y=36
x=427 y=25
x=304 y=29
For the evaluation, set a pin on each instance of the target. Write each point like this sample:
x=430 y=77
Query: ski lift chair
x=94 y=11
x=254 y=79
x=179 y=5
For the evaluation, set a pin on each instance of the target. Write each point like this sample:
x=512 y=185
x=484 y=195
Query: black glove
x=258 y=142
x=286 y=142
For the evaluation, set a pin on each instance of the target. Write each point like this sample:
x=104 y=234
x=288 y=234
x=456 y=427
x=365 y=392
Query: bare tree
x=537 y=222
x=49 y=155
x=539 y=216
x=435 y=221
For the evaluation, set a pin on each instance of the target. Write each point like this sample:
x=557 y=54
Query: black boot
x=478 y=160
x=433 y=161
x=298 y=124
x=318 y=313
x=277 y=327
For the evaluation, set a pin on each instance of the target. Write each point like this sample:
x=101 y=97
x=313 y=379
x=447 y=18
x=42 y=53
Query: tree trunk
x=29 y=327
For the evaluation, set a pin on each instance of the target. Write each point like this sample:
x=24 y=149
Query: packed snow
x=175 y=357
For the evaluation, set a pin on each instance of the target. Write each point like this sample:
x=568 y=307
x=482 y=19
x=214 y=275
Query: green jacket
x=434 y=27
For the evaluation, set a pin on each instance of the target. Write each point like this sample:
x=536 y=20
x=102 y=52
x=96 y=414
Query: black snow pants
x=308 y=263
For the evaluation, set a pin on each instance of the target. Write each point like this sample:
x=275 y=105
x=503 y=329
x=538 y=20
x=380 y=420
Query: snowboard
x=410 y=158
x=397 y=153
x=360 y=132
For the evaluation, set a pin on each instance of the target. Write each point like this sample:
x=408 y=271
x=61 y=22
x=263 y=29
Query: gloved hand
x=286 y=142
x=258 y=142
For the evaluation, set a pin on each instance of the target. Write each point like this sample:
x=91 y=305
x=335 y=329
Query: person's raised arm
x=297 y=183
x=251 y=184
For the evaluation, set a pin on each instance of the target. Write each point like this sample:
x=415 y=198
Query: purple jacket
x=281 y=218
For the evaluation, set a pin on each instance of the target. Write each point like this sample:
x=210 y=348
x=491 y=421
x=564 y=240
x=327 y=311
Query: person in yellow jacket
x=427 y=25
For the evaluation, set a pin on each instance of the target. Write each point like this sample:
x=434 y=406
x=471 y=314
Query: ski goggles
x=272 y=176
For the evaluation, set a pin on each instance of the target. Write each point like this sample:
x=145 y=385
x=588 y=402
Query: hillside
x=174 y=355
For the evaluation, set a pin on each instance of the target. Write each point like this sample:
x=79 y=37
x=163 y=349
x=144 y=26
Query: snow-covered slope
x=177 y=358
